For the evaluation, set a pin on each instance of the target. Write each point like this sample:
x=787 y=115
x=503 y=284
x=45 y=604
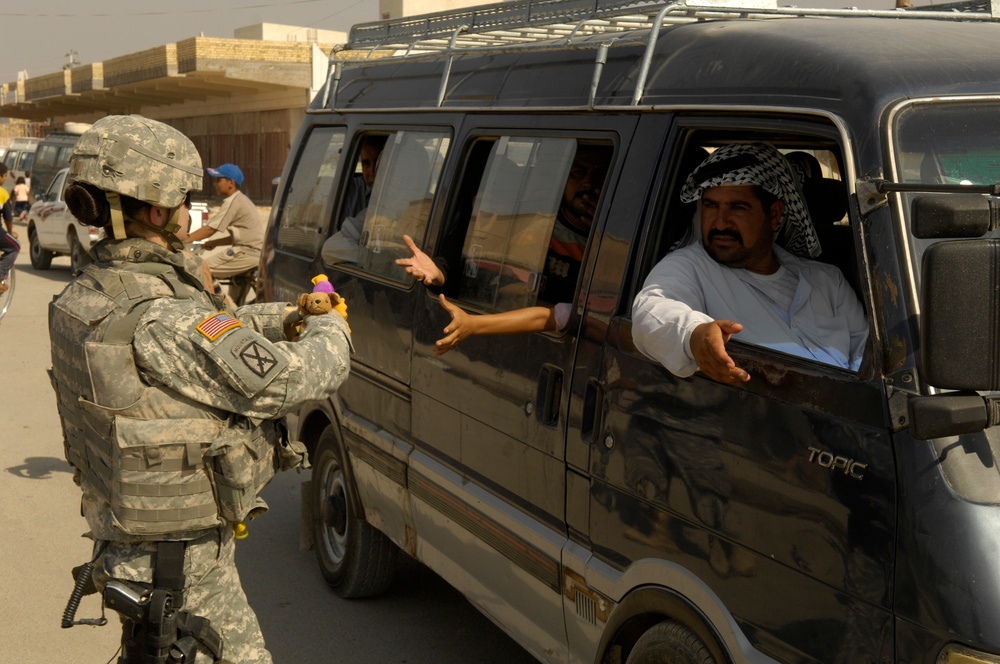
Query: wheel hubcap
x=334 y=512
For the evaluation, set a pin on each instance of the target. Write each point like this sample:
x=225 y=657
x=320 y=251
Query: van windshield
x=945 y=142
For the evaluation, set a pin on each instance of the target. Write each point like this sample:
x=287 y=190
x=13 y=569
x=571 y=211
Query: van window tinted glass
x=24 y=164
x=303 y=216
x=530 y=221
x=406 y=178
x=11 y=158
x=46 y=155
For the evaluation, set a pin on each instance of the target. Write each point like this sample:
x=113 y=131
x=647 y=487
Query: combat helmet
x=134 y=156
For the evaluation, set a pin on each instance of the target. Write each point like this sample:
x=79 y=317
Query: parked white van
x=19 y=157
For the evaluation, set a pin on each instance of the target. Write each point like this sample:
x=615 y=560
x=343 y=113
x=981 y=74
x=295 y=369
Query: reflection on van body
x=595 y=506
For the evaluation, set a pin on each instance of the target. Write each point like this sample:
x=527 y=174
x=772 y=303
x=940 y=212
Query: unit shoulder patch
x=257 y=358
x=248 y=360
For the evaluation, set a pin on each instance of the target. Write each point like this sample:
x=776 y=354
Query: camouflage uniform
x=182 y=366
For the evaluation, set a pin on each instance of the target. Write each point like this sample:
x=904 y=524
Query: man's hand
x=708 y=345
x=460 y=327
x=420 y=266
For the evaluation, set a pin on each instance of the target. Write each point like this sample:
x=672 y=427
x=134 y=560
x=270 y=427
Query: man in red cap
x=238 y=216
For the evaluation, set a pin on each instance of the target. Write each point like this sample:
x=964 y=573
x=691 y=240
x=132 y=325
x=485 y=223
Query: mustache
x=714 y=233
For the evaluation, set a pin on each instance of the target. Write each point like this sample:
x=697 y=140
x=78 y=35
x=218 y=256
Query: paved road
x=420 y=620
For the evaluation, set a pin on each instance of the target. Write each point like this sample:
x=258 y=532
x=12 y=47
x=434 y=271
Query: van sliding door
x=487 y=476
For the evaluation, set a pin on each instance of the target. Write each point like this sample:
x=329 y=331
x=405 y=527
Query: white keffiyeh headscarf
x=762 y=165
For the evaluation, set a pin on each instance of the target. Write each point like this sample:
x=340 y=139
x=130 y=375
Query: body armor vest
x=152 y=464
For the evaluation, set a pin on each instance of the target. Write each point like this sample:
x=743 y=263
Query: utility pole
x=72 y=60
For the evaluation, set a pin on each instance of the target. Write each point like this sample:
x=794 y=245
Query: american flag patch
x=215 y=326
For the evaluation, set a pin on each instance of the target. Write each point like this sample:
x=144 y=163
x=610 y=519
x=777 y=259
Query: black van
x=51 y=156
x=595 y=506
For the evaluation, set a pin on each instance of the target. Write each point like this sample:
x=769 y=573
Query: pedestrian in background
x=21 y=192
x=9 y=246
x=238 y=216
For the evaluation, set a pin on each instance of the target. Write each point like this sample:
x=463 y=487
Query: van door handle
x=549 y=394
x=593 y=411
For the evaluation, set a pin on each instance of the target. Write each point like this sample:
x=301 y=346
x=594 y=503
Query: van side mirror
x=953 y=215
x=960 y=315
x=959 y=338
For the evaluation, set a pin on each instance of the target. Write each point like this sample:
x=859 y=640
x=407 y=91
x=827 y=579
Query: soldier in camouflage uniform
x=169 y=401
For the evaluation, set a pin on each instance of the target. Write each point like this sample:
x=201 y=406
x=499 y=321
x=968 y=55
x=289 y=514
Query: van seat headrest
x=826 y=198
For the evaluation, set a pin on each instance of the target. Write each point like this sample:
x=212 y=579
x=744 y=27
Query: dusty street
x=420 y=621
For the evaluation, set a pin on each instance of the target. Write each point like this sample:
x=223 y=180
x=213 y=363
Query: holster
x=168 y=634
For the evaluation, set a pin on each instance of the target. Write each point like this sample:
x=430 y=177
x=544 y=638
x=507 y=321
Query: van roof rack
x=526 y=23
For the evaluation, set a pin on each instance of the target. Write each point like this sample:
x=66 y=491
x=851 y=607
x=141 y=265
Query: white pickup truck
x=53 y=230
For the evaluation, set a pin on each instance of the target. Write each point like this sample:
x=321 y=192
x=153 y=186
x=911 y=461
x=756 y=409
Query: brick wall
x=87 y=77
x=144 y=65
x=20 y=129
x=47 y=85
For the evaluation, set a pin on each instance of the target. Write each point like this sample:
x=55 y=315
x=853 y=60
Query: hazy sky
x=36 y=35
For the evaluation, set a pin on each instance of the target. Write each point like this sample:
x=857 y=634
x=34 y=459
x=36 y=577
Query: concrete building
x=241 y=100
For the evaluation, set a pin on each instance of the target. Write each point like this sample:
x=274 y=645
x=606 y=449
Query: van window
x=303 y=216
x=11 y=158
x=815 y=165
x=406 y=179
x=524 y=244
x=945 y=142
x=46 y=155
x=25 y=162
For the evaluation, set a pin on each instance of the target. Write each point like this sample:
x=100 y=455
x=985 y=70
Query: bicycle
x=8 y=295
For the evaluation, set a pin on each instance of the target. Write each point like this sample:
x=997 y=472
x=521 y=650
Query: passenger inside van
x=344 y=245
x=566 y=246
x=740 y=280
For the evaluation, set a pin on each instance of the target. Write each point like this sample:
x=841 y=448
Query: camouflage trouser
x=212 y=590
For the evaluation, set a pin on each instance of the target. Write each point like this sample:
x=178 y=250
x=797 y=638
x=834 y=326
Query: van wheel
x=669 y=643
x=41 y=258
x=78 y=258
x=356 y=559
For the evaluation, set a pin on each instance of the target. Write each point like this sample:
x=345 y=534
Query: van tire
x=356 y=559
x=670 y=643
x=41 y=258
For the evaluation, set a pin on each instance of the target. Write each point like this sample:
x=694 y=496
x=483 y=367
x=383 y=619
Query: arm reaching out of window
x=420 y=266
x=464 y=325
x=708 y=346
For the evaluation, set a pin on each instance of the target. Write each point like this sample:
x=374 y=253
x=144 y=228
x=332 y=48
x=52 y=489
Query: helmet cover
x=137 y=157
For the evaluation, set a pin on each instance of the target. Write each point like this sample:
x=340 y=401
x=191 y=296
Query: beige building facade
x=241 y=100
